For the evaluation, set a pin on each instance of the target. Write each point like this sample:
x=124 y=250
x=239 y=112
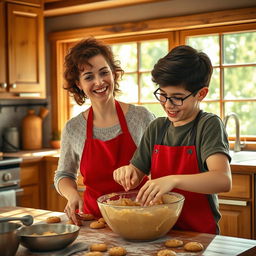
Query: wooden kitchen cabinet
x=55 y=202
x=30 y=182
x=236 y=208
x=22 y=71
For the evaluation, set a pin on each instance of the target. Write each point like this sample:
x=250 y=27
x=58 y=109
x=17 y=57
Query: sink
x=242 y=156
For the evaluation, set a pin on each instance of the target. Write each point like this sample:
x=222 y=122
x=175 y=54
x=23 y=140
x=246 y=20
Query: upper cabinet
x=22 y=72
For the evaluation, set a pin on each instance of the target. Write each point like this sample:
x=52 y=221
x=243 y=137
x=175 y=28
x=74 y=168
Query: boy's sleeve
x=214 y=139
x=142 y=156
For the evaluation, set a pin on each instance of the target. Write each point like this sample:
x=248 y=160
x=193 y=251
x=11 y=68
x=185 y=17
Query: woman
x=101 y=139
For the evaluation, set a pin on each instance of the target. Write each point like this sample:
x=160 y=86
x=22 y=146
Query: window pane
x=246 y=113
x=156 y=109
x=239 y=82
x=127 y=55
x=208 y=44
x=129 y=88
x=239 y=48
x=214 y=87
x=151 y=52
x=147 y=88
x=211 y=107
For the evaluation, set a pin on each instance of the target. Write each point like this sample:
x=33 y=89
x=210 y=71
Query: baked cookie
x=85 y=216
x=94 y=254
x=97 y=224
x=193 y=247
x=70 y=221
x=172 y=243
x=166 y=252
x=101 y=220
x=98 y=247
x=53 y=219
x=117 y=251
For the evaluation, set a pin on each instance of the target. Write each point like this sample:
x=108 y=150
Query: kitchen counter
x=214 y=244
x=34 y=155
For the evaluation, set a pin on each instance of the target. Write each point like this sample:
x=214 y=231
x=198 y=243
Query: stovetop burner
x=6 y=160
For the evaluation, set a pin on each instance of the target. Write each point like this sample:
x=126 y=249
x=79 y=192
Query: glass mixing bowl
x=140 y=223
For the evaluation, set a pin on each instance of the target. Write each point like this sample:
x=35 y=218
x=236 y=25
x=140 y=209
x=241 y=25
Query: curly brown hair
x=79 y=56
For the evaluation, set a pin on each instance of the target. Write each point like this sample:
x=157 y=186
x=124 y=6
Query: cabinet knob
x=13 y=86
x=3 y=85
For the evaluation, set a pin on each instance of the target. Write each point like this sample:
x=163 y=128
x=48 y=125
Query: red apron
x=196 y=214
x=100 y=159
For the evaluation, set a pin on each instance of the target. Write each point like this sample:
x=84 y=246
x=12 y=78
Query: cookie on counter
x=97 y=224
x=98 y=247
x=79 y=223
x=172 y=243
x=117 y=251
x=193 y=247
x=166 y=252
x=53 y=219
x=93 y=254
x=85 y=216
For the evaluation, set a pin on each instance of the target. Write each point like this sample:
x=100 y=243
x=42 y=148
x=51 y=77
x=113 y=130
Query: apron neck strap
x=121 y=117
x=163 y=130
x=192 y=140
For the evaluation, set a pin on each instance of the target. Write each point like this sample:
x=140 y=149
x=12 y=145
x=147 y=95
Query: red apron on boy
x=196 y=214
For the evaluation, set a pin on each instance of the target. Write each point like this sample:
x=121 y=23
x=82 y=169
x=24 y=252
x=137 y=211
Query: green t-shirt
x=211 y=138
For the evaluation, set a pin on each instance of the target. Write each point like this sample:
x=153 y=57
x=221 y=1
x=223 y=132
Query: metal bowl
x=32 y=237
x=9 y=240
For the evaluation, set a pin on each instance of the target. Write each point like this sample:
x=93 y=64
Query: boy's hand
x=127 y=176
x=152 y=191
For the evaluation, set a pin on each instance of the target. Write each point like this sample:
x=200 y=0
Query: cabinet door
x=25 y=49
x=55 y=202
x=236 y=221
x=30 y=197
x=3 y=83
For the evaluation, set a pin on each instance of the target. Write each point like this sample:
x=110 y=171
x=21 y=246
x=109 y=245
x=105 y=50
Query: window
x=233 y=85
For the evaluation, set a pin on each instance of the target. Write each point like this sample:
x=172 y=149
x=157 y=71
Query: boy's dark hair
x=79 y=56
x=185 y=66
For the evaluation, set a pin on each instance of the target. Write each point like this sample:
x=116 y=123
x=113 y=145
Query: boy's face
x=187 y=109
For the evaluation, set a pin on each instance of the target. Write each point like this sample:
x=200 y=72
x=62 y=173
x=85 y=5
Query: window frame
x=176 y=27
x=221 y=30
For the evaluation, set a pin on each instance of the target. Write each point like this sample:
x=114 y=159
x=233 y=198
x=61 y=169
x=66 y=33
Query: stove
x=9 y=160
x=9 y=172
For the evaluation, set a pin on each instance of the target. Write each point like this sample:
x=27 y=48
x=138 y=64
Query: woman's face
x=97 y=80
x=181 y=115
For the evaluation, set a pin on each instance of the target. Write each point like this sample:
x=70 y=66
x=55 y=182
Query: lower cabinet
x=54 y=202
x=30 y=184
x=30 y=197
x=236 y=208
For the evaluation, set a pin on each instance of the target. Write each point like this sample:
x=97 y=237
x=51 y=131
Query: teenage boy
x=187 y=151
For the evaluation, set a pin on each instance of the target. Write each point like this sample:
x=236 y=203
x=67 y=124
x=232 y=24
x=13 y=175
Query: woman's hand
x=152 y=191
x=128 y=176
x=75 y=203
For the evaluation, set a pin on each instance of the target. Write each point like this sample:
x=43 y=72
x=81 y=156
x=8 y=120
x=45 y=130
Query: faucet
x=237 y=146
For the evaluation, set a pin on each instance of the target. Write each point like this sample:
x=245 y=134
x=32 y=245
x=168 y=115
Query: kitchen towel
x=8 y=198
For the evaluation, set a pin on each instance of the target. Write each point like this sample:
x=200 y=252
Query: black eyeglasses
x=176 y=101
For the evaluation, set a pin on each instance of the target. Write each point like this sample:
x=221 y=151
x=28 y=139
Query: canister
x=11 y=140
